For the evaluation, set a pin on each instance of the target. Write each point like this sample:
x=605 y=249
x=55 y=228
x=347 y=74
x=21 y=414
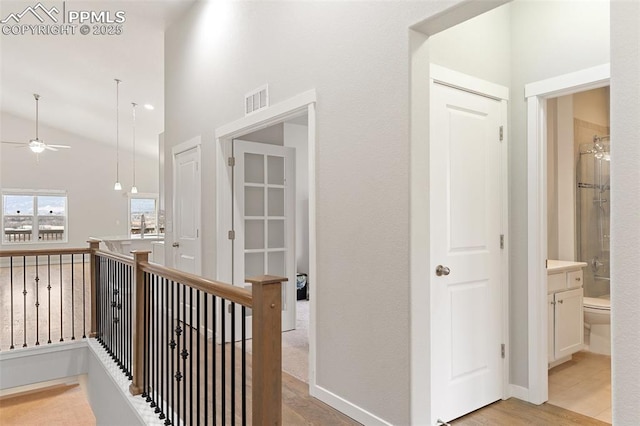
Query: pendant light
x=117 y=186
x=134 y=188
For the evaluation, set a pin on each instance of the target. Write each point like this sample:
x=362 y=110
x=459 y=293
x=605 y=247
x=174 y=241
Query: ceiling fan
x=36 y=145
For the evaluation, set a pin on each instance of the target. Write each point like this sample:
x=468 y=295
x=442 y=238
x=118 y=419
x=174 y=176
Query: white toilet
x=597 y=319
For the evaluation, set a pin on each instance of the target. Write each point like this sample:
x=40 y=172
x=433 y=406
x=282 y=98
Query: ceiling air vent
x=256 y=100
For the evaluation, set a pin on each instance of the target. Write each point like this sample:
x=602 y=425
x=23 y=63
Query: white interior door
x=186 y=214
x=466 y=225
x=264 y=218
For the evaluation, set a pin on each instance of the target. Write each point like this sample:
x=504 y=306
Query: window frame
x=142 y=195
x=35 y=226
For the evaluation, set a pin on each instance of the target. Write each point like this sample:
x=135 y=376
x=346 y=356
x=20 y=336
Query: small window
x=34 y=217
x=143 y=215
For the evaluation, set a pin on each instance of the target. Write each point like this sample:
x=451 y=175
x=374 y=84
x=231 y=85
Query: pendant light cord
x=117 y=130
x=133 y=104
x=35 y=95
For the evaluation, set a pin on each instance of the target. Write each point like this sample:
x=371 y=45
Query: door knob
x=175 y=244
x=442 y=270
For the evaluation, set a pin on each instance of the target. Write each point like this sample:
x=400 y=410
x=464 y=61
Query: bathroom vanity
x=564 y=303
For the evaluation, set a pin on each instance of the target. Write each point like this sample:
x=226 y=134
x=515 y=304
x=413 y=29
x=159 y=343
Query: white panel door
x=186 y=244
x=187 y=204
x=466 y=223
x=264 y=218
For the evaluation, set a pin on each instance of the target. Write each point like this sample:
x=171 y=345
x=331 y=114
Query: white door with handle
x=186 y=216
x=466 y=215
x=264 y=218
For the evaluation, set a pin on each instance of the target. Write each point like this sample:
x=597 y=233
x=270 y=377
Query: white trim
x=193 y=143
x=301 y=104
x=466 y=82
x=505 y=251
x=519 y=392
x=537 y=93
x=586 y=79
x=359 y=414
x=266 y=117
x=42 y=349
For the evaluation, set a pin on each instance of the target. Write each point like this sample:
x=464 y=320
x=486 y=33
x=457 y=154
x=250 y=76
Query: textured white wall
x=356 y=55
x=625 y=205
x=86 y=171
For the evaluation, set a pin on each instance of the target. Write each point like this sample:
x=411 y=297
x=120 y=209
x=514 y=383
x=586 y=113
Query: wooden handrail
x=226 y=291
x=44 y=252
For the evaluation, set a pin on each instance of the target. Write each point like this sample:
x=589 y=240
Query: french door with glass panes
x=264 y=218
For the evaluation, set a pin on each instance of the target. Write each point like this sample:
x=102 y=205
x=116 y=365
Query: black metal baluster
x=244 y=365
x=223 y=360
x=128 y=353
x=61 y=311
x=214 y=308
x=24 y=300
x=37 y=279
x=199 y=337
x=84 y=301
x=191 y=357
x=49 y=294
x=147 y=337
x=153 y=306
x=178 y=330
x=172 y=345
x=206 y=361
x=184 y=353
x=151 y=344
x=163 y=354
x=73 y=305
x=233 y=362
x=112 y=306
x=11 y=270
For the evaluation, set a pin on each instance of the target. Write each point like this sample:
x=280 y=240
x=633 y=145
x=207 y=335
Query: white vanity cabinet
x=565 y=315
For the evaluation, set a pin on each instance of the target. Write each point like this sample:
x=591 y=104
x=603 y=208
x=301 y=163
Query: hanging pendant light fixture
x=117 y=186
x=134 y=188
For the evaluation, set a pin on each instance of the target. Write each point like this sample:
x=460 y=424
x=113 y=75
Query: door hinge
x=232 y=161
x=501 y=241
x=501 y=133
x=232 y=235
x=502 y=350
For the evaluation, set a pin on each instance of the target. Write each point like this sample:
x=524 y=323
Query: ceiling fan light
x=134 y=189
x=36 y=147
x=117 y=186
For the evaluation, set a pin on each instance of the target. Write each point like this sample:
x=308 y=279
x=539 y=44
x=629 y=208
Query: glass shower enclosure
x=593 y=197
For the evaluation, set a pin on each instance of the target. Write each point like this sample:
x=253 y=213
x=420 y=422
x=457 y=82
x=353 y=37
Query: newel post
x=267 y=349
x=138 y=336
x=94 y=245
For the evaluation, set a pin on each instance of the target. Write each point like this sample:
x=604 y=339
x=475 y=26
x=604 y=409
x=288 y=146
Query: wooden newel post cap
x=140 y=253
x=266 y=279
x=94 y=243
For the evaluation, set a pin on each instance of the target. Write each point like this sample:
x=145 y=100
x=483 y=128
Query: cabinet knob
x=560 y=301
x=578 y=278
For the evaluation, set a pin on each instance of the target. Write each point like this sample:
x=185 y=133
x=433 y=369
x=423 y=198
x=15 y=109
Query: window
x=143 y=215
x=34 y=217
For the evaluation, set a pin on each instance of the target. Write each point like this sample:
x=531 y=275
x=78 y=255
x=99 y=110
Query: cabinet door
x=550 y=328
x=569 y=318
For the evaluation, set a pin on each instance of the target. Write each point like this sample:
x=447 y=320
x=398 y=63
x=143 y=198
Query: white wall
x=625 y=205
x=86 y=171
x=356 y=55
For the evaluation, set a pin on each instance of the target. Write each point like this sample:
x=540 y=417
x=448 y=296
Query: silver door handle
x=442 y=270
x=175 y=245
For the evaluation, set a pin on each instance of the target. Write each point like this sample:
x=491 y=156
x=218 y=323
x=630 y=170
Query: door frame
x=193 y=143
x=536 y=95
x=301 y=104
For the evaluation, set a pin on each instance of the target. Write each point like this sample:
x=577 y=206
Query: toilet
x=597 y=320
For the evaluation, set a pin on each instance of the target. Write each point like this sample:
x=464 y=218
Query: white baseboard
x=519 y=392
x=357 y=413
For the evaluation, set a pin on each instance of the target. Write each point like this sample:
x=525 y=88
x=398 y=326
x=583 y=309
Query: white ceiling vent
x=256 y=100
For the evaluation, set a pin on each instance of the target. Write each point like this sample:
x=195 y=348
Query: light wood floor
x=583 y=385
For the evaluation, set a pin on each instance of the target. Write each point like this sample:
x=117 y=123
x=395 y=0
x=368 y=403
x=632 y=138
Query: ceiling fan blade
x=59 y=146
x=50 y=148
x=15 y=143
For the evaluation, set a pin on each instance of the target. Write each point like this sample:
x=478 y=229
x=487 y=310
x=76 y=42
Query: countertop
x=563 y=265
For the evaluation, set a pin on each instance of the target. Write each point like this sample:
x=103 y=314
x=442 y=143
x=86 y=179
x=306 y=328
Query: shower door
x=593 y=216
